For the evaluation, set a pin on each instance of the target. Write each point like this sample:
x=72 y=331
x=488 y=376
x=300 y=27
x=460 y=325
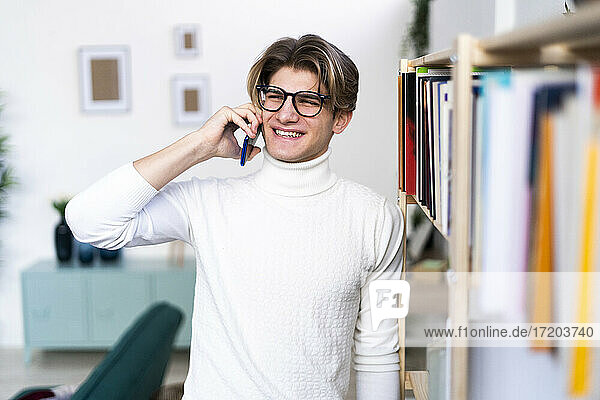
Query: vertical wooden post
x=401 y=322
x=460 y=213
x=176 y=252
x=402 y=203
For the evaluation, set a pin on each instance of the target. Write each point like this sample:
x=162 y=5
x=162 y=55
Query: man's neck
x=295 y=179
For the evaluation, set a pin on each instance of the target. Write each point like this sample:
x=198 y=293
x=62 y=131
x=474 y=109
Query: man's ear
x=259 y=110
x=341 y=120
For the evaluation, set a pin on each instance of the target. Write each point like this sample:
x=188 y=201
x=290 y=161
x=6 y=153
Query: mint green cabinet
x=115 y=303
x=70 y=306
x=175 y=288
x=57 y=319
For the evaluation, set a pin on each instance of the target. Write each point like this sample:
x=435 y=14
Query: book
x=401 y=138
x=410 y=111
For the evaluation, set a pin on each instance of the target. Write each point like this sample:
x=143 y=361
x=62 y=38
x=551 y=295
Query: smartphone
x=248 y=145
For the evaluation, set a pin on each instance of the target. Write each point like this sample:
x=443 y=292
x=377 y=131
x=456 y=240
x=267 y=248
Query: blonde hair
x=336 y=71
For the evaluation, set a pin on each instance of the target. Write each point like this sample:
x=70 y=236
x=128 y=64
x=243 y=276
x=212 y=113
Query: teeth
x=288 y=134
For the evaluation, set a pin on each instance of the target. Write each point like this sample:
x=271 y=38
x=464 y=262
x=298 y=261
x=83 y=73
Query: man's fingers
x=250 y=116
x=244 y=108
x=239 y=121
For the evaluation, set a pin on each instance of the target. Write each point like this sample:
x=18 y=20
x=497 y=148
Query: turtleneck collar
x=295 y=179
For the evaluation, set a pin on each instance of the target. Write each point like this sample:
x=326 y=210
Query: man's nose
x=287 y=112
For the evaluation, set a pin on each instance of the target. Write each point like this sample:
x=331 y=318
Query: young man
x=284 y=255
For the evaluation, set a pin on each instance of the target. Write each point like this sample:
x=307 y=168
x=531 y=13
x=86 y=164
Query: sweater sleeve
x=377 y=351
x=122 y=209
x=377 y=385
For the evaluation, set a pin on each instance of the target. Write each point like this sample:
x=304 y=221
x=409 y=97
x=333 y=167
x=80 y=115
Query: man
x=285 y=254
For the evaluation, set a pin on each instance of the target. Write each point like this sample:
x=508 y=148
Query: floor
x=72 y=367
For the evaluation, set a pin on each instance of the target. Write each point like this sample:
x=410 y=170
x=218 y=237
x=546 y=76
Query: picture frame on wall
x=187 y=40
x=104 y=73
x=191 y=98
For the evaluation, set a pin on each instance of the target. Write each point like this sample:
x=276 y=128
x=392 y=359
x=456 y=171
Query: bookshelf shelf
x=564 y=40
x=435 y=223
x=440 y=58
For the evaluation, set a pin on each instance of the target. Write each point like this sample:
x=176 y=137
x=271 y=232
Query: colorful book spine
x=410 y=112
x=581 y=374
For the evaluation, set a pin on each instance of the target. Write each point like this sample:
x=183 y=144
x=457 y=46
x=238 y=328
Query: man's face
x=317 y=131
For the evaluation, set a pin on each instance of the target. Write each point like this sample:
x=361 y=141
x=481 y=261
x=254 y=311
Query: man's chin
x=288 y=155
x=293 y=155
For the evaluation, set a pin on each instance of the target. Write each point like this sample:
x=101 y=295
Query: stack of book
x=531 y=129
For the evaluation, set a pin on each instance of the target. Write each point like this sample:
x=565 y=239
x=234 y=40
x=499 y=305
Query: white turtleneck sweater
x=284 y=258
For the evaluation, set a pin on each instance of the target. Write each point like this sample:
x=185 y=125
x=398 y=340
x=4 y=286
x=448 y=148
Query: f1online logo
x=388 y=299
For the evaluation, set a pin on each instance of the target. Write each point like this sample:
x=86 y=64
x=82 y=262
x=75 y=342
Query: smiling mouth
x=289 y=135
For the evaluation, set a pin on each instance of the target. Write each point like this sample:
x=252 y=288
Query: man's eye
x=309 y=102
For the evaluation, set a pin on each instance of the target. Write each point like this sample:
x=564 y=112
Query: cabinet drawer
x=116 y=301
x=55 y=312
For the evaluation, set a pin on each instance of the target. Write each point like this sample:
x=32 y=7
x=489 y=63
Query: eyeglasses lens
x=307 y=104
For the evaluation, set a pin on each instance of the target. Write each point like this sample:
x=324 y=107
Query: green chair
x=135 y=366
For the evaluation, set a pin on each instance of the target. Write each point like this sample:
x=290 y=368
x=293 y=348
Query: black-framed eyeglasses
x=306 y=103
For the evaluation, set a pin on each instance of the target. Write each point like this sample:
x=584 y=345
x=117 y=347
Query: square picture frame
x=187 y=40
x=104 y=74
x=191 y=98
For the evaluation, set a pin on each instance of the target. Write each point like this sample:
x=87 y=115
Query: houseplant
x=416 y=38
x=7 y=179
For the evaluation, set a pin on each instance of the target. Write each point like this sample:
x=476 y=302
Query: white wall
x=57 y=149
x=535 y=11
x=484 y=18
x=448 y=18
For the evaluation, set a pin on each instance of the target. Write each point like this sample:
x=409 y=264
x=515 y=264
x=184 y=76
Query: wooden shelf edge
x=409 y=198
x=554 y=54
x=440 y=58
x=418 y=382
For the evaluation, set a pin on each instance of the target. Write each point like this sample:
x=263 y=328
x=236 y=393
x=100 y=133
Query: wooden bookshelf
x=564 y=40
x=411 y=200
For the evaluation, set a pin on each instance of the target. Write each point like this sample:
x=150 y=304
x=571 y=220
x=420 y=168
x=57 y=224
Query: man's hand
x=217 y=132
